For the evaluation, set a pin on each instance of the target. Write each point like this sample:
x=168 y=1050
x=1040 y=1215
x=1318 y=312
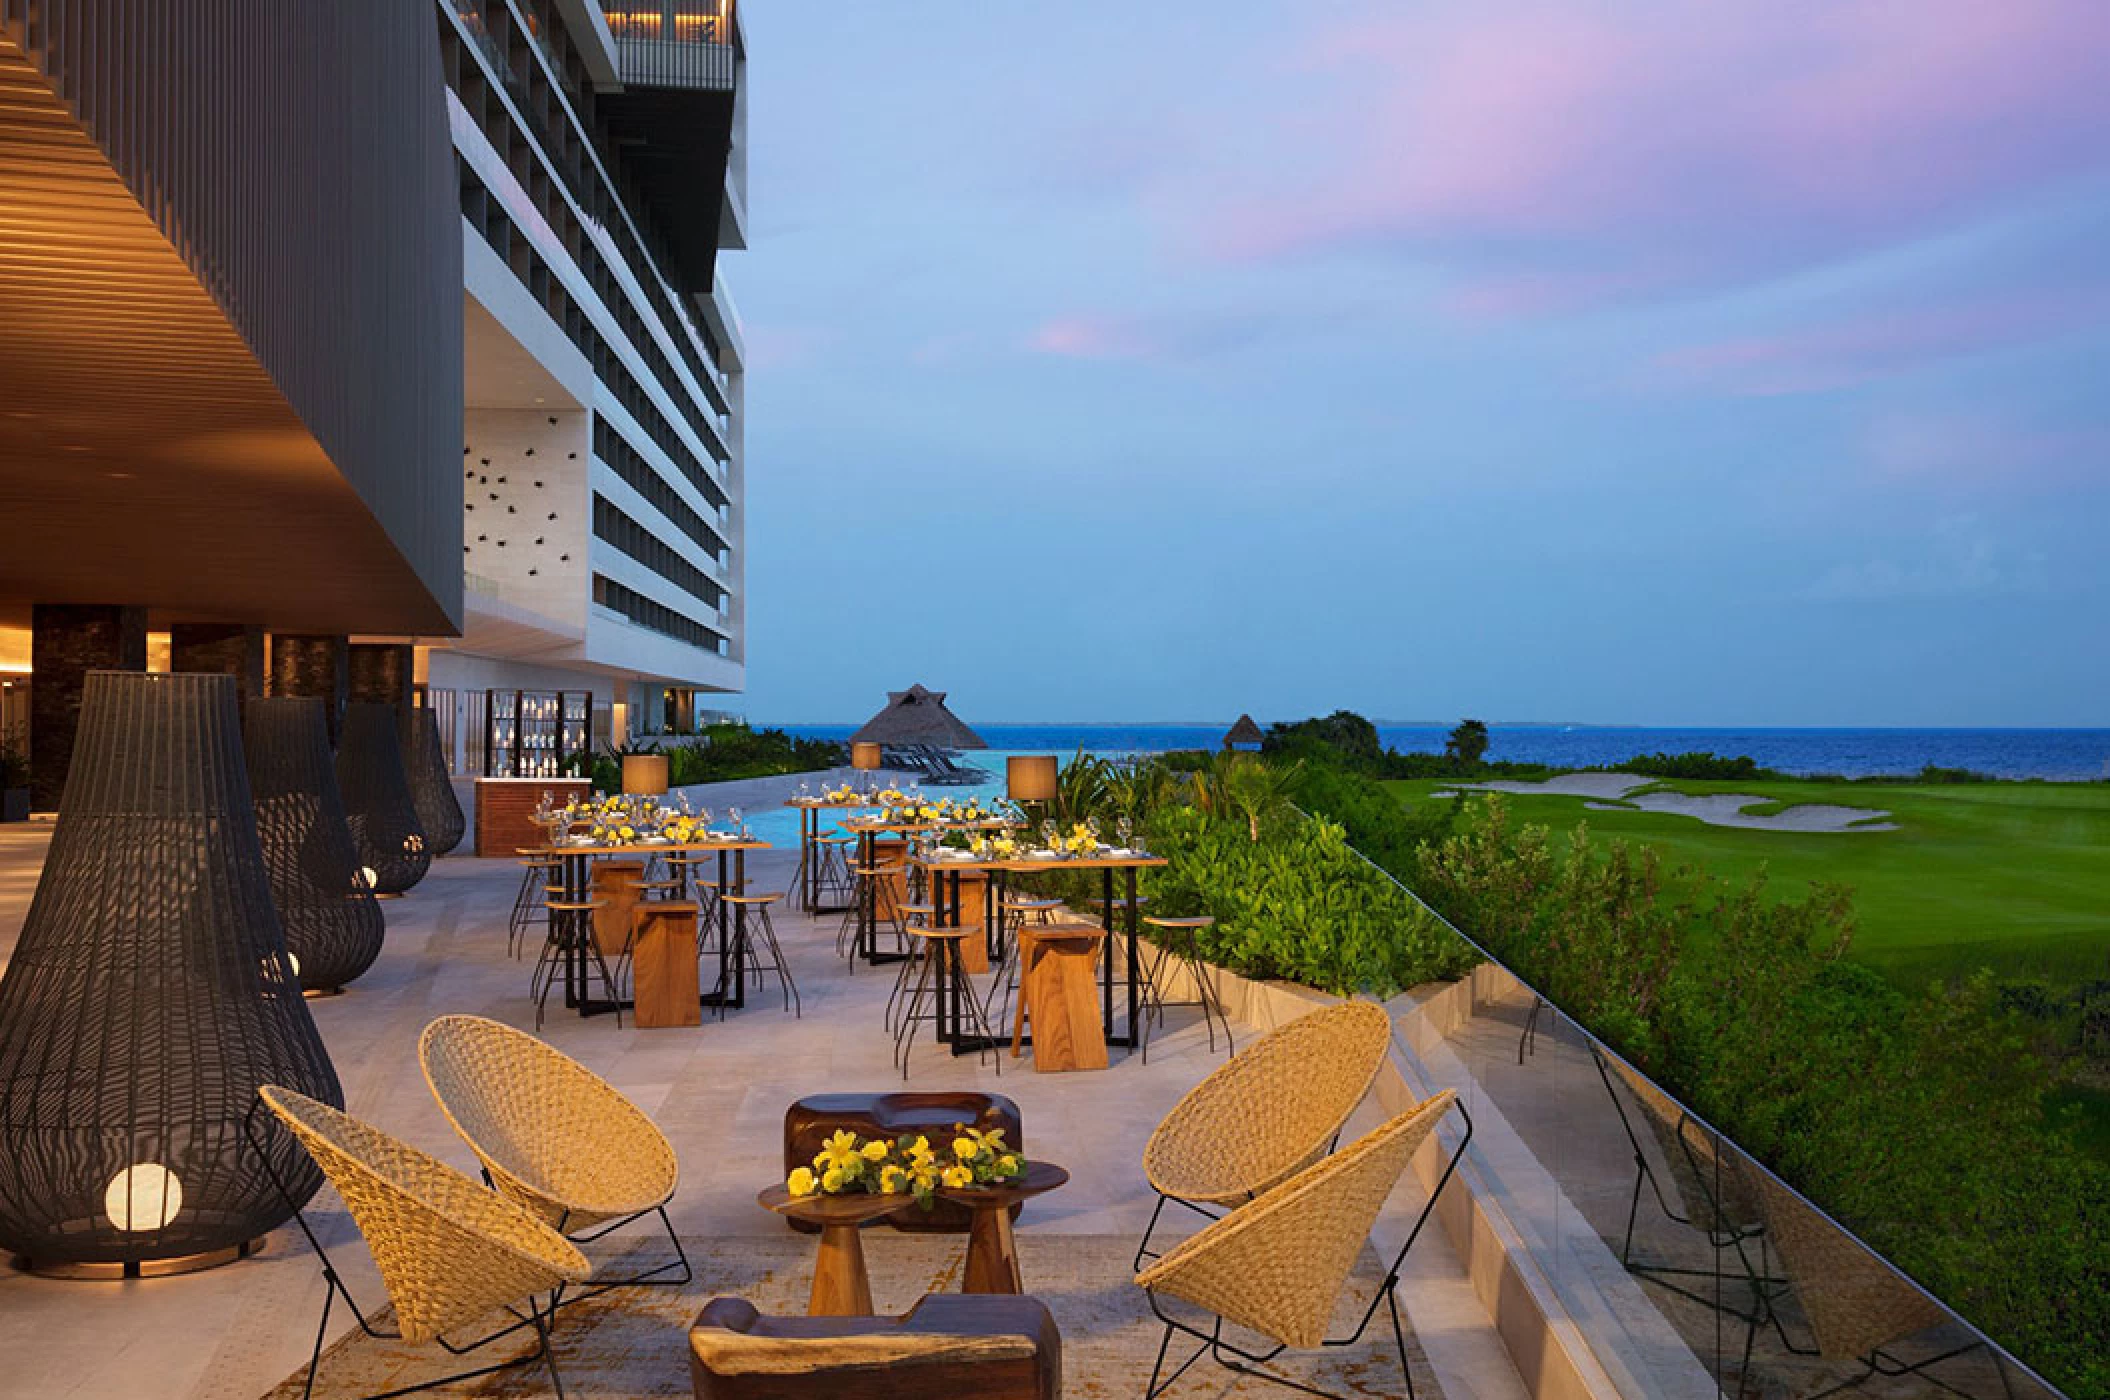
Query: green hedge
x=1918 y=1120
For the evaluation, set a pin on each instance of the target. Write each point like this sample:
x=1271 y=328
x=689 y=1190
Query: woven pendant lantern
x=333 y=924
x=377 y=800
x=148 y=998
x=431 y=791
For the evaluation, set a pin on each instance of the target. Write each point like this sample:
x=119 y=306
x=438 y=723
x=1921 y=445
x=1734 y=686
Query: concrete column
x=307 y=664
x=66 y=642
x=224 y=649
x=385 y=672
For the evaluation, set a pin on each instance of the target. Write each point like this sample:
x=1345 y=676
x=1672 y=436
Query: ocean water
x=2065 y=754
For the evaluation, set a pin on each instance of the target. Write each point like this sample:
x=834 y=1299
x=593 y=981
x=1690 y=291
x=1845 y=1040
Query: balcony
x=672 y=120
x=690 y=44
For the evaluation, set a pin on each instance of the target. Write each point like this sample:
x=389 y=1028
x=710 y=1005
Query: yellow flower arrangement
x=905 y=1166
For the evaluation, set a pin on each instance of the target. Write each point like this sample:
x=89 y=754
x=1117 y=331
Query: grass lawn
x=2011 y=876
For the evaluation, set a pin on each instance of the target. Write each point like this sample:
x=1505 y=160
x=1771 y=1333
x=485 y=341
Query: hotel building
x=363 y=347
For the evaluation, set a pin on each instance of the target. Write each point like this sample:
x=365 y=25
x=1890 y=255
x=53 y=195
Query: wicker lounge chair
x=553 y=1136
x=1267 y=1113
x=1277 y=1265
x=450 y=1253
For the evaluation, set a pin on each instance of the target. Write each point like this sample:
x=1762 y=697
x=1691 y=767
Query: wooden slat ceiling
x=145 y=455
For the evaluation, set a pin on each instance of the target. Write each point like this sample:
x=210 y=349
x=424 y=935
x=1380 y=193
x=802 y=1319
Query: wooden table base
x=841 y=1285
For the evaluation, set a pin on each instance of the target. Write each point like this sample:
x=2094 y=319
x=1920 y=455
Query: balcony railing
x=1686 y=1266
x=675 y=43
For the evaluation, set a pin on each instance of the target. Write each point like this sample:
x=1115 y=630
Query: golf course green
x=2014 y=877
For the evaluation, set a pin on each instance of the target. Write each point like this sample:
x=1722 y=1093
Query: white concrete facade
x=603 y=473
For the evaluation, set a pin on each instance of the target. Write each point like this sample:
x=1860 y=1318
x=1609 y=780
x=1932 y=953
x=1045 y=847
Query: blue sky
x=1629 y=363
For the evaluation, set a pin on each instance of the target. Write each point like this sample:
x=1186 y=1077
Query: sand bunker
x=1617 y=792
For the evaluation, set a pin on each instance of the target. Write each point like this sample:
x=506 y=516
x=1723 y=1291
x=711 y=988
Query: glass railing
x=674 y=43
x=1685 y=1266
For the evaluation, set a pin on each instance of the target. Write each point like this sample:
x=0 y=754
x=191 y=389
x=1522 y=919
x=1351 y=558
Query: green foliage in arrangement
x=1918 y=1119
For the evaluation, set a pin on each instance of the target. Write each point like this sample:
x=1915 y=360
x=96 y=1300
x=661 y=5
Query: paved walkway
x=718 y=1090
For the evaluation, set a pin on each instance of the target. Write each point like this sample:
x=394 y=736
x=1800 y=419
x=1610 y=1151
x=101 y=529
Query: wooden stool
x=1178 y=945
x=663 y=964
x=1059 y=992
x=616 y=884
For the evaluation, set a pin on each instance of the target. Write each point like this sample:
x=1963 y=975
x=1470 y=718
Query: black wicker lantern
x=333 y=924
x=377 y=802
x=148 y=998
x=439 y=811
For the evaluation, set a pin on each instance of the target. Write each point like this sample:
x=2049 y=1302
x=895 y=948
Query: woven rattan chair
x=553 y=1136
x=449 y=1252
x=1278 y=1264
x=1267 y=1113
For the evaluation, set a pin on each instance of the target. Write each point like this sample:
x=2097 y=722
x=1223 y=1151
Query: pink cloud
x=1090 y=338
x=1875 y=344
x=1671 y=145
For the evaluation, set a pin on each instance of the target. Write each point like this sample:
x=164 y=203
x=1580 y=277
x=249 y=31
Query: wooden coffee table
x=992 y=1253
x=841 y=1287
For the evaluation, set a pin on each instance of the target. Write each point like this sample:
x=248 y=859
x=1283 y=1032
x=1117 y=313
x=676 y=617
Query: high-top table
x=808 y=877
x=944 y=875
x=867 y=830
x=577 y=858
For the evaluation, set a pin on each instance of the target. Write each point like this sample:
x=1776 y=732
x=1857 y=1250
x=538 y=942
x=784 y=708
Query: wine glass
x=732 y=815
x=1047 y=833
x=1125 y=828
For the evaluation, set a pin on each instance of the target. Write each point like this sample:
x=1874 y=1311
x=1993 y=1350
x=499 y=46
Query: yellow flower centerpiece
x=848 y=1164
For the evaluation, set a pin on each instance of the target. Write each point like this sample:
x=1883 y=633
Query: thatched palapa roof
x=917 y=716
x=1244 y=732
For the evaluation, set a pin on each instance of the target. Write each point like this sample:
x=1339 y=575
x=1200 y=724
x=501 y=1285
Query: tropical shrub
x=1699 y=767
x=1918 y=1119
x=1299 y=905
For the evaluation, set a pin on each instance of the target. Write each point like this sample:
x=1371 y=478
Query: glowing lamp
x=143 y=1197
x=1030 y=777
x=865 y=757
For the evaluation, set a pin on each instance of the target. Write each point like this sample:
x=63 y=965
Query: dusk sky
x=1625 y=363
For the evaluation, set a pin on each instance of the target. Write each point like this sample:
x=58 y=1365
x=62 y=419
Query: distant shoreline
x=2053 y=755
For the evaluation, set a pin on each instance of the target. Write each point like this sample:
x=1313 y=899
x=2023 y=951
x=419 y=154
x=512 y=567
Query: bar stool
x=537 y=869
x=756 y=907
x=912 y=914
x=1114 y=919
x=570 y=927
x=831 y=872
x=940 y=965
x=1176 y=943
x=874 y=882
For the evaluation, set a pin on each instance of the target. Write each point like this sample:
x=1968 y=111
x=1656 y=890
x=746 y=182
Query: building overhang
x=146 y=454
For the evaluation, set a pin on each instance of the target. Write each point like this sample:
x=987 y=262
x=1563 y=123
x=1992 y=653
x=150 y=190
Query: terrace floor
x=719 y=1092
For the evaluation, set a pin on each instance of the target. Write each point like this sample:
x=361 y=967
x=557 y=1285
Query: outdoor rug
x=633 y=1342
